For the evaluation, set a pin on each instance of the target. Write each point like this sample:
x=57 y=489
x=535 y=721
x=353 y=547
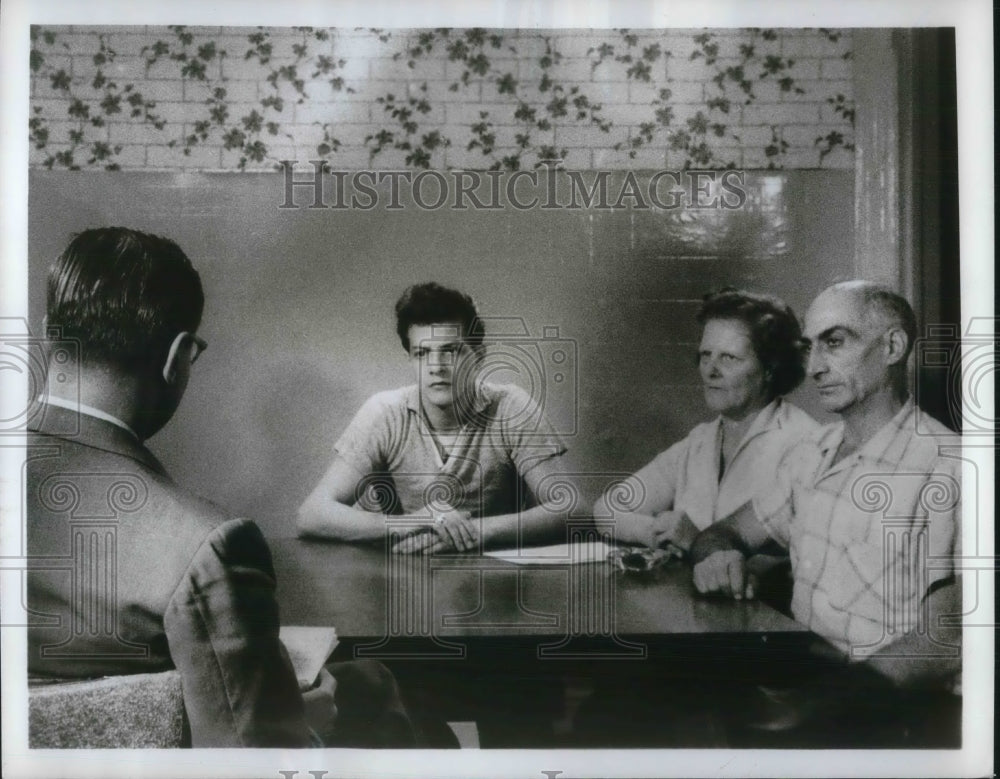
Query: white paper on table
x=308 y=649
x=580 y=552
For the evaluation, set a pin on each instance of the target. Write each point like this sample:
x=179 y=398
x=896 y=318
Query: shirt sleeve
x=529 y=436
x=367 y=438
x=773 y=500
x=655 y=484
x=941 y=498
x=222 y=630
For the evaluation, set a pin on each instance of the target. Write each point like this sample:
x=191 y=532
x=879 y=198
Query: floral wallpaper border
x=533 y=102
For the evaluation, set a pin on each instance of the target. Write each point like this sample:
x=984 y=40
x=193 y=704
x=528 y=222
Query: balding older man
x=868 y=509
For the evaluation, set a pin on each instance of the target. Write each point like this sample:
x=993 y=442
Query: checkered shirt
x=868 y=534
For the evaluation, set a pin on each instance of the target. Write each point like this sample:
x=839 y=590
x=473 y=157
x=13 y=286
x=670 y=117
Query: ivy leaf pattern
x=498 y=99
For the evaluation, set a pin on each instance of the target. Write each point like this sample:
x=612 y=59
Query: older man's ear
x=897 y=345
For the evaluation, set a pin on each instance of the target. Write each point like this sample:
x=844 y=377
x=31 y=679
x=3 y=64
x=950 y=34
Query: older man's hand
x=725 y=573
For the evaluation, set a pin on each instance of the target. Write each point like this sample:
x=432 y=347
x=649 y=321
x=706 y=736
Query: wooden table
x=372 y=596
x=469 y=632
x=492 y=641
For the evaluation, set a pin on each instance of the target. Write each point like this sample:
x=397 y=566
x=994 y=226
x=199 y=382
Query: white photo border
x=974 y=44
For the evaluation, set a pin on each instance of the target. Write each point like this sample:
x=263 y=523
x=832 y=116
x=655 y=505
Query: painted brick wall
x=228 y=98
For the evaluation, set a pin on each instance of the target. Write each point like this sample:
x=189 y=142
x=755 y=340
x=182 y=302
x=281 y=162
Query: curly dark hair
x=431 y=304
x=775 y=333
x=124 y=294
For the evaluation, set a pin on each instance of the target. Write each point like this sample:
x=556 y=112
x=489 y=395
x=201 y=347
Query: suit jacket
x=129 y=574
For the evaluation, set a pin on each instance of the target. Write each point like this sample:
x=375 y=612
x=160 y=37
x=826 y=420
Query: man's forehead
x=438 y=332
x=835 y=308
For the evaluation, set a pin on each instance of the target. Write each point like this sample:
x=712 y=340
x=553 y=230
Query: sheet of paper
x=308 y=649
x=588 y=552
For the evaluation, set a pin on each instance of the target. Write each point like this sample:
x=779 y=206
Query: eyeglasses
x=200 y=345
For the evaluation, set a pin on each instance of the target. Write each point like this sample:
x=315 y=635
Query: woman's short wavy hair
x=775 y=333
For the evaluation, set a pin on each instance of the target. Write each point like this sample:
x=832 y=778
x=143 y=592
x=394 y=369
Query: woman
x=749 y=357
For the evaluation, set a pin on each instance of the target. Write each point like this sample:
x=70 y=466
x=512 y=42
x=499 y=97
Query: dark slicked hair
x=124 y=294
x=431 y=304
x=775 y=333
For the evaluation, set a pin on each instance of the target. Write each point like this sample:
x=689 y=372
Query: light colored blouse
x=685 y=477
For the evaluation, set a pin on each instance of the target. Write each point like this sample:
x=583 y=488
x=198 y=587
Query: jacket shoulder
x=146 y=502
x=199 y=510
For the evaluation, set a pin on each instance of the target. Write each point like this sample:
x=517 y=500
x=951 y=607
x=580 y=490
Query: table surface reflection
x=368 y=593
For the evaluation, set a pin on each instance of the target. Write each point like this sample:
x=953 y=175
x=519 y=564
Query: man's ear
x=173 y=355
x=896 y=345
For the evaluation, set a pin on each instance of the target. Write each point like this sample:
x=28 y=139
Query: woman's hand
x=675 y=528
x=658 y=530
x=645 y=529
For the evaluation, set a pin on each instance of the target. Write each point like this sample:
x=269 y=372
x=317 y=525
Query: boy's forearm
x=339 y=522
x=537 y=524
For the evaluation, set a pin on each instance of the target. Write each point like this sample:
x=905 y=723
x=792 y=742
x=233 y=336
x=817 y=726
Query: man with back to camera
x=192 y=588
x=868 y=509
x=449 y=432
